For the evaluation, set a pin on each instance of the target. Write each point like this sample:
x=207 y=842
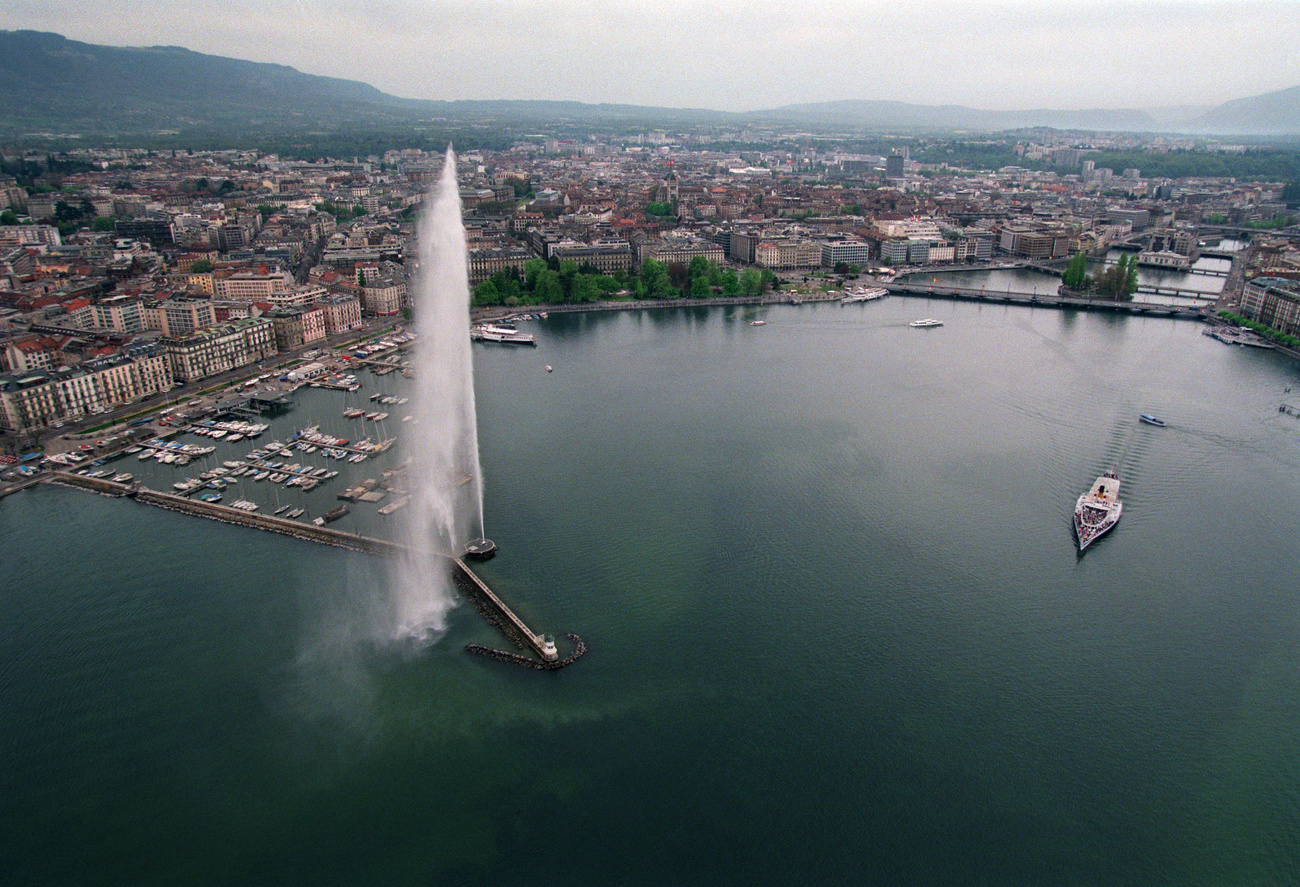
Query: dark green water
x=838 y=630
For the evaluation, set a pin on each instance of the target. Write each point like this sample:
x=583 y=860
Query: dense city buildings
x=217 y=260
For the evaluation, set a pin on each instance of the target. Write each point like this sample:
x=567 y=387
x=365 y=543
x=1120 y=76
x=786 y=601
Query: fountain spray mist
x=444 y=478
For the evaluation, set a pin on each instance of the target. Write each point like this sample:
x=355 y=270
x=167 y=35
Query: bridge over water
x=1047 y=301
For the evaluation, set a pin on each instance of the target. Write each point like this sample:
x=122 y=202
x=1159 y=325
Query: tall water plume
x=444 y=479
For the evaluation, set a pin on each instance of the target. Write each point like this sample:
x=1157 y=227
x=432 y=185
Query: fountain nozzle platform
x=480 y=549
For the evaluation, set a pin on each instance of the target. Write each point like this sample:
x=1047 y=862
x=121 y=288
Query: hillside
x=49 y=84
x=1272 y=112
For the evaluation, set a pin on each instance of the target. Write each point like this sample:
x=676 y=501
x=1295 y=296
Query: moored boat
x=1097 y=510
x=496 y=332
x=864 y=294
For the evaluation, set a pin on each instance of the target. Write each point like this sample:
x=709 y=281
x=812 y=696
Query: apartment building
x=1274 y=302
x=252 y=286
x=219 y=348
x=39 y=400
x=341 y=312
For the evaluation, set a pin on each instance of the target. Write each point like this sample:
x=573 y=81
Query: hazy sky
x=733 y=54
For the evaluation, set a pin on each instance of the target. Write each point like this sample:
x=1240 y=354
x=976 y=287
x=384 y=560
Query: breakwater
x=579 y=648
x=499 y=614
x=227 y=515
x=494 y=610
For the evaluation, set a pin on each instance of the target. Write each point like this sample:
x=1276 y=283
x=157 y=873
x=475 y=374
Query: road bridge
x=1047 y=301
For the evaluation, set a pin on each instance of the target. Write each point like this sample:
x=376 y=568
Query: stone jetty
x=579 y=648
x=494 y=610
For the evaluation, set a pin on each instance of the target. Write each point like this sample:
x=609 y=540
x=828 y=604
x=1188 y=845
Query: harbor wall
x=495 y=610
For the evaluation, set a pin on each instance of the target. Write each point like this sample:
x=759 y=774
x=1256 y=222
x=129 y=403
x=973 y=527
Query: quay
x=495 y=610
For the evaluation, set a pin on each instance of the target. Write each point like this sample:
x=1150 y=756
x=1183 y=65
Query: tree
x=1119 y=281
x=568 y=273
x=751 y=282
x=654 y=279
x=533 y=269
x=730 y=283
x=486 y=293
x=200 y=266
x=548 y=290
x=679 y=276
x=586 y=289
x=1076 y=275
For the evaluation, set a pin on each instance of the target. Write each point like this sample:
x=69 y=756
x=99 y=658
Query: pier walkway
x=495 y=610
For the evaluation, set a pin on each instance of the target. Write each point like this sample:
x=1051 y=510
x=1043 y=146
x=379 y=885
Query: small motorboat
x=925 y=322
x=1152 y=420
x=758 y=323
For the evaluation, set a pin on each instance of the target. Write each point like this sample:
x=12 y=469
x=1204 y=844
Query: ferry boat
x=1152 y=420
x=1097 y=510
x=864 y=294
x=497 y=332
x=925 y=322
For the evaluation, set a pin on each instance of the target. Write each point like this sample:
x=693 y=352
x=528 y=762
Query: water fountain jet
x=445 y=509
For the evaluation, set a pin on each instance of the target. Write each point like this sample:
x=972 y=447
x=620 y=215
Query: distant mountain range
x=51 y=84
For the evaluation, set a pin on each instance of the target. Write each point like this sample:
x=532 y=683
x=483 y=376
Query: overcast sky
x=733 y=54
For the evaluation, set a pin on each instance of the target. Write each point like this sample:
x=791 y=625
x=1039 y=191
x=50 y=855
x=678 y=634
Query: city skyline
x=1010 y=55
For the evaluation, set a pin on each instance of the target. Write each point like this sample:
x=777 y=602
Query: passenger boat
x=1152 y=420
x=864 y=294
x=925 y=322
x=1097 y=510
x=493 y=332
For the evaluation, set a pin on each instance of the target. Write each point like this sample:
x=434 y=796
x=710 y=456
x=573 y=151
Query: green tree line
x=560 y=282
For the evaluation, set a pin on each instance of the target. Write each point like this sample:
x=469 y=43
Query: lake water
x=838 y=630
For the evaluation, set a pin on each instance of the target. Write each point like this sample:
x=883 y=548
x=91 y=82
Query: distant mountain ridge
x=887 y=113
x=49 y=83
x=1271 y=112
